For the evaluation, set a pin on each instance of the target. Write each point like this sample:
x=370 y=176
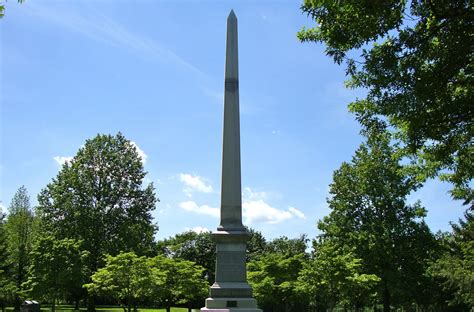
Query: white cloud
x=297 y=213
x=276 y=131
x=194 y=183
x=204 y=209
x=250 y=194
x=198 y=229
x=61 y=160
x=2 y=208
x=258 y=211
x=140 y=152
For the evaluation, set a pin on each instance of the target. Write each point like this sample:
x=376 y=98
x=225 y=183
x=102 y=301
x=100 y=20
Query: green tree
x=334 y=277
x=287 y=246
x=416 y=61
x=7 y=287
x=177 y=281
x=126 y=278
x=56 y=269
x=274 y=280
x=256 y=246
x=196 y=247
x=98 y=198
x=20 y=230
x=369 y=213
x=455 y=267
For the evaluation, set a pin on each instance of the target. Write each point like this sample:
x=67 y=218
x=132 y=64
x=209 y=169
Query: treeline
x=90 y=241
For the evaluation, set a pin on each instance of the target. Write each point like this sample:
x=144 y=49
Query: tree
x=20 y=229
x=274 y=277
x=369 y=213
x=334 y=276
x=417 y=64
x=56 y=269
x=98 y=198
x=177 y=281
x=455 y=267
x=256 y=246
x=7 y=287
x=196 y=247
x=287 y=246
x=126 y=278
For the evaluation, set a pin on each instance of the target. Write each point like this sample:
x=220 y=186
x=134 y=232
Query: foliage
x=417 y=65
x=20 y=227
x=177 y=281
x=56 y=269
x=98 y=198
x=7 y=287
x=287 y=246
x=125 y=277
x=196 y=247
x=130 y=279
x=456 y=266
x=2 y=8
x=274 y=277
x=256 y=246
x=370 y=215
x=334 y=276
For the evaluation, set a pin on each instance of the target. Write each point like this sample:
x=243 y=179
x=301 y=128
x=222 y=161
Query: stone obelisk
x=231 y=292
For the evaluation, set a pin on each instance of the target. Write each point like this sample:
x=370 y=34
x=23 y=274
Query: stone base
x=231 y=305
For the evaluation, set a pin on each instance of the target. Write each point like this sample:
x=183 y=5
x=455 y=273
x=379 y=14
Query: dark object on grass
x=30 y=306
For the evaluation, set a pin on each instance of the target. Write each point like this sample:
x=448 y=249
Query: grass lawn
x=69 y=308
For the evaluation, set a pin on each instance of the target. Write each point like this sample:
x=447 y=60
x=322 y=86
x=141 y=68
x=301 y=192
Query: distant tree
x=335 y=277
x=455 y=267
x=274 y=279
x=126 y=278
x=98 y=198
x=196 y=247
x=20 y=230
x=416 y=62
x=369 y=213
x=177 y=281
x=256 y=246
x=56 y=269
x=287 y=246
x=7 y=287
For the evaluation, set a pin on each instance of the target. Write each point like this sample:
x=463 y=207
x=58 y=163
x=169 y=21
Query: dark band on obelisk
x=231 y=190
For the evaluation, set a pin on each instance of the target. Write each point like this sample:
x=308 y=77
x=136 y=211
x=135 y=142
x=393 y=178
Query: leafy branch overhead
x=415 y=58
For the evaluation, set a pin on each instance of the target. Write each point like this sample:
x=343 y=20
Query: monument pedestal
x=231 y=292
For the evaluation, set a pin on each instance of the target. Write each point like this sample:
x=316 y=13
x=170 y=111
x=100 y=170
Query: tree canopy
x=99 y=198
x=416 y=61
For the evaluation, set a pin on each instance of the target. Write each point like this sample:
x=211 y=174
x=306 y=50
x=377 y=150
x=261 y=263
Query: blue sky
x=154 y=71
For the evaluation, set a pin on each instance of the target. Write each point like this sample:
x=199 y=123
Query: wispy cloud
x=61 y=160
x=297 y=213
x=194 y=183
x=191 y=206
x=98 y=26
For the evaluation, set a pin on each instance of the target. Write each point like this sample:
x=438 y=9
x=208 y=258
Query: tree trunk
x=76 y=305
x=386 y=299
x=168 y=308
x=53 y=306
x=90 y=303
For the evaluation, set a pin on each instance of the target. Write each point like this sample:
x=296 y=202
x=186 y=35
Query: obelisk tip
x=232 y=15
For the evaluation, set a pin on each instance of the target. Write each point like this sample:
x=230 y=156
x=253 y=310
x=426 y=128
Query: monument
x=231 y=292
